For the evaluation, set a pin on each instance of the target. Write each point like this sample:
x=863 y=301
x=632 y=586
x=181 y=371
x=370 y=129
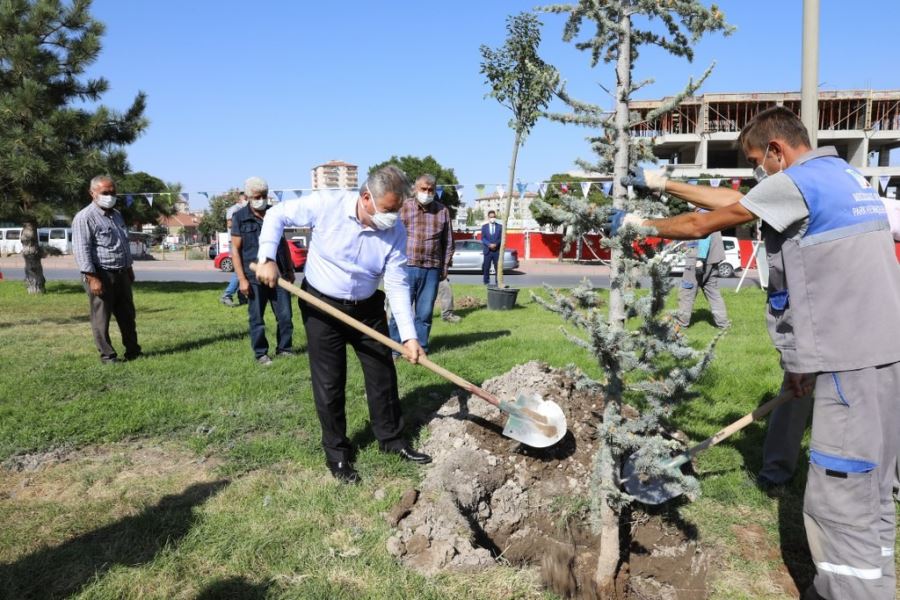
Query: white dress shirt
x=346 y=259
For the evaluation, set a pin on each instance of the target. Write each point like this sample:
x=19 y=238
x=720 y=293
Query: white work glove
x=641 y=180
x=633 y=220
x=699 y=264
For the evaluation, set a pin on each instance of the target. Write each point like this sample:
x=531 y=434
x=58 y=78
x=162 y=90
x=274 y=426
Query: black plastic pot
x=501 y=298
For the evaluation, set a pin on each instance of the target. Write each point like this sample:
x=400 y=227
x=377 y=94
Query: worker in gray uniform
x=701 y=271
x=833 y=313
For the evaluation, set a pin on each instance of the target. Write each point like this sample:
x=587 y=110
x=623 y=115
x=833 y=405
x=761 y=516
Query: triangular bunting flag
x=607 y=187
x=297 y=193
x=129 y=200
x=542 y=189
x=735 y=184
x=479 y=187
x=278 y=194
x=150 y=199
x=585 y=188
x=459 y=187
x=884 y=180
x=204 y=194
x=439 y=190
x=564 y=188
x=521 y=187
x=184 y=196
x=501 y=191
x=692 y=181
x=715 y=182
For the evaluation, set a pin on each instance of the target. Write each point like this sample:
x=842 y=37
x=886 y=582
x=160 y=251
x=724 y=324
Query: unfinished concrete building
x=699 y=137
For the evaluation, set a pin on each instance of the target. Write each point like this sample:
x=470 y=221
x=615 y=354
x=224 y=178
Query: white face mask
x=260 y=204
x=424 y=198
x=382 y=221
x=760 y=171
x=106 y=201
x=493 y=220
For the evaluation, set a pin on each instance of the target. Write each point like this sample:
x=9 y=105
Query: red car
x=298 y=257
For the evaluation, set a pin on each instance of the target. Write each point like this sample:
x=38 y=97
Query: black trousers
x=117 y=302
x=327 y=340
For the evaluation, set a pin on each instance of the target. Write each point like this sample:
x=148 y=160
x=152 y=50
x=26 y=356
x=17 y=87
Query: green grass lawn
x=205 y=478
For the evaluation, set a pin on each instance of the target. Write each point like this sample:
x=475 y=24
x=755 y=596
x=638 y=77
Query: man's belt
x=342 y=301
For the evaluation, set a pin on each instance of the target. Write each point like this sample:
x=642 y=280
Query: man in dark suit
x=491 y=234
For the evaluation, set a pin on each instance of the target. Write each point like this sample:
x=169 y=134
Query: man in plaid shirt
x=429 y=248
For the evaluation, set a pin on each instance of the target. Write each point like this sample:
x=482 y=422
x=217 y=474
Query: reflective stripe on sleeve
x=849 y=571
x=887 y=551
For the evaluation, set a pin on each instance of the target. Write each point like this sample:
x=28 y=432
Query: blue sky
x=273 y=88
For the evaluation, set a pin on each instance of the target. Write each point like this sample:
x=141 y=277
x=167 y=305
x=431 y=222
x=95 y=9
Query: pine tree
x=521 y=81
x=52 y=142
x=651 y=363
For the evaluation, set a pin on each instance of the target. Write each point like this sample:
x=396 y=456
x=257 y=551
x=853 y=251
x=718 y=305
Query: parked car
x=298 y=257
x=675 y=254
x=468 y=255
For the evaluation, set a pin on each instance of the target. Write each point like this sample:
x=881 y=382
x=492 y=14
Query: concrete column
x=702 y=152
x=858 y=152
x=884 y=157
x=809 y=84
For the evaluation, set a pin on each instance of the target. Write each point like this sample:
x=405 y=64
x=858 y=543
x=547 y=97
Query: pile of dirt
x=487 y=499
x=468 y=302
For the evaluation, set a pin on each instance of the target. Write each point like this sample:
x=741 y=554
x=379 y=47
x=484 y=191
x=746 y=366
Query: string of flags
x=541 y=188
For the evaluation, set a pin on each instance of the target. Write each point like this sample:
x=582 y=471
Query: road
x=530 y=274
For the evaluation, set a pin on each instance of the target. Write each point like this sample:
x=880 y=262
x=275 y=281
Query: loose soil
x=488 y=500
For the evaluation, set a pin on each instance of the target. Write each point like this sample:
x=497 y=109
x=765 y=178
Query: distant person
x=246 y=225
x=429 y=248
x=445 y=297
x=232 y=287
x=491 y=236
x=102 y=253
x=356 y=244
x=701 y=271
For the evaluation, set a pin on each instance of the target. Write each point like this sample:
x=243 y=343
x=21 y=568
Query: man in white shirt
x=356 y=241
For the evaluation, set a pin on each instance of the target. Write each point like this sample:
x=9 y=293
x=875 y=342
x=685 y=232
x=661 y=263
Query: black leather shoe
x=343 y=471
x=407 y=453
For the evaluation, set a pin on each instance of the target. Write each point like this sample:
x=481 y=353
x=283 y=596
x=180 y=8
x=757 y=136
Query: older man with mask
x=429 y=248
x=245 y=228
x=102 y=253
x=833 y=313
x=356 y=241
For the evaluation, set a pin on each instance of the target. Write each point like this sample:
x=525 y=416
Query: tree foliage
x=53 y=136
x=522 y=82
x=415 y=166
x=650 y=363
x=141 y=211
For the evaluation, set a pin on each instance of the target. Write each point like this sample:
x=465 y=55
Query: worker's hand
x=131 y=274
x=413 y=351
x=244 y=286
x=267 y=273
x=95 y=284
x=644 y=181
x=699 y=264
x=801 y=384
x=290 y=276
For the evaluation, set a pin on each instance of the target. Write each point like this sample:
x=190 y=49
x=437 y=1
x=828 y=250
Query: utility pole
x=809 y=82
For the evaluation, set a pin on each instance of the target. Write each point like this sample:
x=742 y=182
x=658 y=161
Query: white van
x=675 y=255
x=11 y=240
x=56 y=237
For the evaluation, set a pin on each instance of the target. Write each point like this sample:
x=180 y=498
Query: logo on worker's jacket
x=863 y=183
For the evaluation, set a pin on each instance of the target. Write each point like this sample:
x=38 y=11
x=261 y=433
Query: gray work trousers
x=116 y=301
x=707 y=279
x=445 y=297
x=848 y=508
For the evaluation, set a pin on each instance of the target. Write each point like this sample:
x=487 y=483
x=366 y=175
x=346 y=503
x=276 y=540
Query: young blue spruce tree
x=650 y=362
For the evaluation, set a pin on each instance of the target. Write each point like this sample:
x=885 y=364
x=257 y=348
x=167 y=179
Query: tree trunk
x=512 y=178
x=608 y=559
x=31 y=252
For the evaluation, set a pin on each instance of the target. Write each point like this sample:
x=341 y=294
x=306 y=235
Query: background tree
x=141 y=210
x=523 y=83
x=414 y=166
x=52 y=142
x=554 y=192
x=650 y=364
x=214 y=219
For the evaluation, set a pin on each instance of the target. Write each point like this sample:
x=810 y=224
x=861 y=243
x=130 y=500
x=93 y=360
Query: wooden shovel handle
x=727 y=432
x=395 y=346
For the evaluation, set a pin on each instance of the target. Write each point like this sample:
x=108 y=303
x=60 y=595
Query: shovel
x=656 y=490
x=533 y=421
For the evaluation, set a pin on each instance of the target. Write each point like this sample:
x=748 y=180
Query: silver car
x=468 y=255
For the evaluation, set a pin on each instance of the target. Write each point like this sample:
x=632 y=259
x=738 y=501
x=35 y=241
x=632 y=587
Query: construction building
x=699 y=137
x=335 y=174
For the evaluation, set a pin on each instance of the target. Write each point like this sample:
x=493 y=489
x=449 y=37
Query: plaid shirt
x=429 y=235
x=100 y=240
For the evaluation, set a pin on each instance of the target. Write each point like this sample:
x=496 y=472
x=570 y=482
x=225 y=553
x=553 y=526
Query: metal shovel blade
x=534 y=421
x=653 y=490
